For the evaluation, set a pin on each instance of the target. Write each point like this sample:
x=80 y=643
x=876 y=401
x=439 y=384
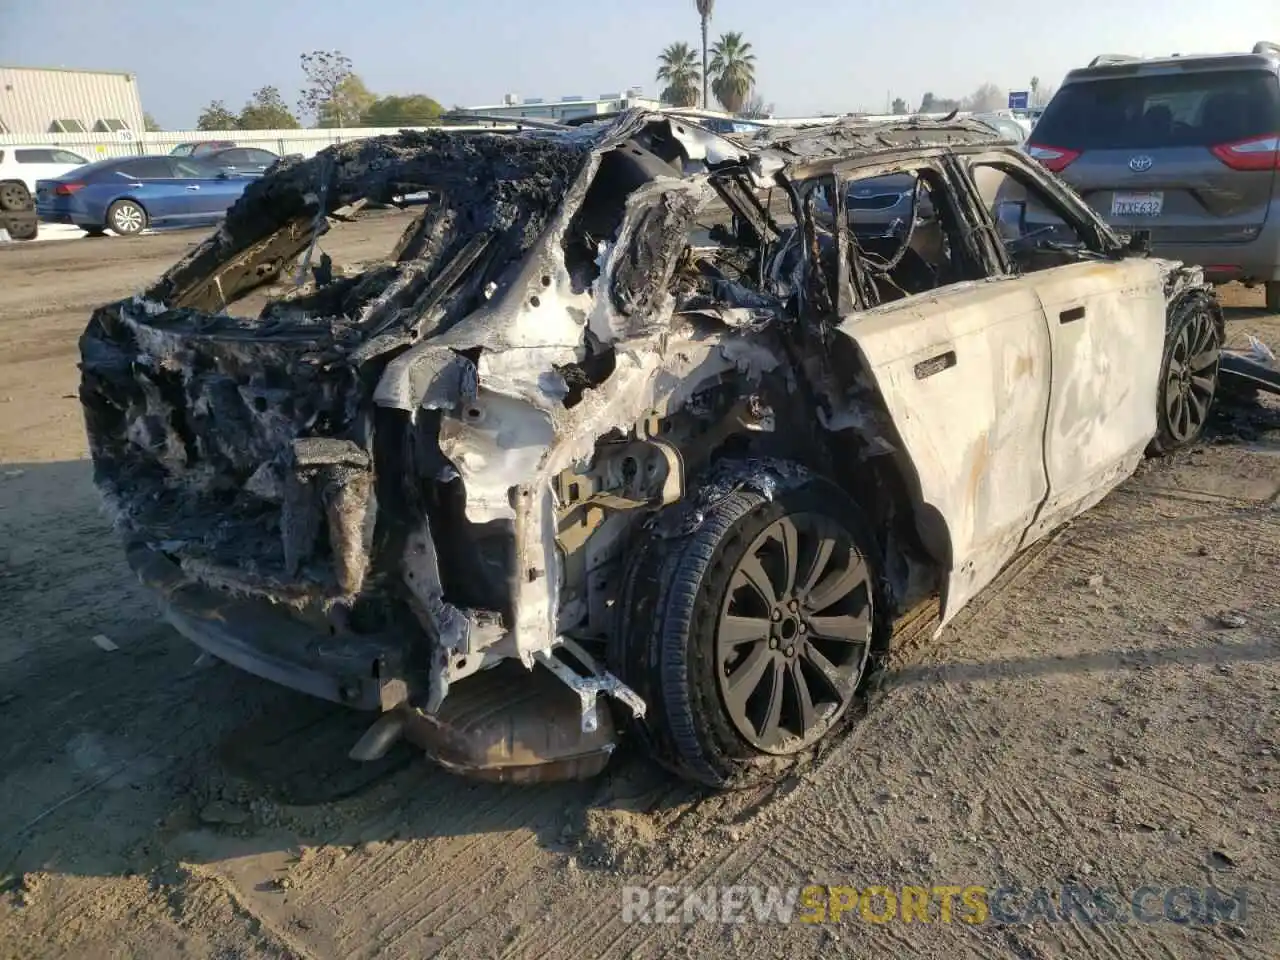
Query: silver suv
x=1184 y=147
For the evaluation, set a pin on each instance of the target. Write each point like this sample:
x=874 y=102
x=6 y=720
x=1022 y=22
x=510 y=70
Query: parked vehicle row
x=127 y=195
x=193 y=185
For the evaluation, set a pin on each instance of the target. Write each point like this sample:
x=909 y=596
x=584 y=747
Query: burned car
x=633 y=430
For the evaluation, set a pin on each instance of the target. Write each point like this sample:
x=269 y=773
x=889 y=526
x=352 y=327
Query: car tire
x=25 y=228
x=126 y=218
x=1272 y=288
x=672 y=643
x=1188 y=373
x=15 y=197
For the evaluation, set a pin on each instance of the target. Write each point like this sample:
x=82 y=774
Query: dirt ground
x=1090 y=719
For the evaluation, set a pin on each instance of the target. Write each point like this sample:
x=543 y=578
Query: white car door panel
x=1107 y=325
x=965 y=375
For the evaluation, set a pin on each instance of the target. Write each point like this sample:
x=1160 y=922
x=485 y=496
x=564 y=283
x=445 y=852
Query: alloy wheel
x=127 y=218
x=1192 y=377
x=794 y=633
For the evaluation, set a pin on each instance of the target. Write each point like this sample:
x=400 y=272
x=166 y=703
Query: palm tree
x=733 y=66
x=679 y=71
x=704 y=12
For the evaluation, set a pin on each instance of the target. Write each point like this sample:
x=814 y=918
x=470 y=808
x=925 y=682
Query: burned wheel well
x=866 y=457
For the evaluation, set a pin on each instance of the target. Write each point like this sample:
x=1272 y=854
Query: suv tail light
x=1256 y=153
x=1055 y=159
x=67 y=189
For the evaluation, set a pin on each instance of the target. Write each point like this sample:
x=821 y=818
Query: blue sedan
x=128 y=195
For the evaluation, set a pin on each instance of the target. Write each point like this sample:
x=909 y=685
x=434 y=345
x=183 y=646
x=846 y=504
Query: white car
x=22 y=165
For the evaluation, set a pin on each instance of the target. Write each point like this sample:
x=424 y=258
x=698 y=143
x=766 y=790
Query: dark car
x=130 y=194
x=247 y=161
x=200 y=148
x=1185 y=148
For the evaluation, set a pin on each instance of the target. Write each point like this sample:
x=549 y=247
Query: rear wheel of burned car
x=749 y=635
x=1188 y=373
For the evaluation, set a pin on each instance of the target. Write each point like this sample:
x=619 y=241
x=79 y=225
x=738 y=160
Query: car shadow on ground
x=131 y=737
x=1203 y=654
x=1233 y=314
x=137 y=755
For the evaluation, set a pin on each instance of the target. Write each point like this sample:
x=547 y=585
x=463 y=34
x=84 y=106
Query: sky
x=813 y=56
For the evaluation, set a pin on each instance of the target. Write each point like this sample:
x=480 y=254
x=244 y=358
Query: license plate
x=1137 y=204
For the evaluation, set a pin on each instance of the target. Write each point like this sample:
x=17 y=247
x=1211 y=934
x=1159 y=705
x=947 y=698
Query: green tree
x=705 y=8
x=217 y=116
x=985 y=99
x=900 y=106
x=931 y=104
x=326 y=72
x=678 y=69
x=150 y=124
x=414 y=110
x=733 y=69
x=266 y=110
x=351 y=100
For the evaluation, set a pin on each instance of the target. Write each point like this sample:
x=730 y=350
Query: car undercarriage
x=472 y=486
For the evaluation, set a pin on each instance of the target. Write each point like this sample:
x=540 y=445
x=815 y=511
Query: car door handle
x=934 y=365
x=1072 y=315
x=193 y=186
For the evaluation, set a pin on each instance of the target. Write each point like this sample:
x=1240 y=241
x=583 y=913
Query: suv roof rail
x=1266 y=46
x=1103 y=59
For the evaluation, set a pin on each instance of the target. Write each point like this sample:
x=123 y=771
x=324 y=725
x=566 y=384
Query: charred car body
x=633 y=422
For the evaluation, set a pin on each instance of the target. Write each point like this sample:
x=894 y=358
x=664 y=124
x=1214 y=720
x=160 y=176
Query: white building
x=35 y=101
x=515 y=107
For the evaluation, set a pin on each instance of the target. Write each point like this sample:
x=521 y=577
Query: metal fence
x=126 y=143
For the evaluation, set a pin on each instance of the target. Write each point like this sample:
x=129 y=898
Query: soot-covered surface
x=197 y=420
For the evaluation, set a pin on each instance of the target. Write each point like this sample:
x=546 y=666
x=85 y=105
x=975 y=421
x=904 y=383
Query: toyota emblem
x=1141 y=163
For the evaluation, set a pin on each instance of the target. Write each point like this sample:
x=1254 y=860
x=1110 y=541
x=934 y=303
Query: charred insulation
x=201 y=424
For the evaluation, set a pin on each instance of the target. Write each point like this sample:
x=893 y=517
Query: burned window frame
x=822 y=294
x=979 y=256
x=1097 y=234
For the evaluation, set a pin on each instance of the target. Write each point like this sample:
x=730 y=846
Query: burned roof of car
x=812 y=149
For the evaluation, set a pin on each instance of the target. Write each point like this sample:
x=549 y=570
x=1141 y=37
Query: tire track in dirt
x=1031 y=816
x=824 y=780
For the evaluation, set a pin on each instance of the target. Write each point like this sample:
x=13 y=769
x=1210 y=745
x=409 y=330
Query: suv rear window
x=1168 y=110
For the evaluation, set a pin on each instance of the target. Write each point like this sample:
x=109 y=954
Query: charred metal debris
x=443 y=458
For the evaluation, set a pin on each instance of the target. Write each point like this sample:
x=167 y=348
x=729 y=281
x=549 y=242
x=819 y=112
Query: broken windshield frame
x=1095 y=234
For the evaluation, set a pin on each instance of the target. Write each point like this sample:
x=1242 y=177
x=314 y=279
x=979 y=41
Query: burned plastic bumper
x=366 y=673
x=508 y=724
